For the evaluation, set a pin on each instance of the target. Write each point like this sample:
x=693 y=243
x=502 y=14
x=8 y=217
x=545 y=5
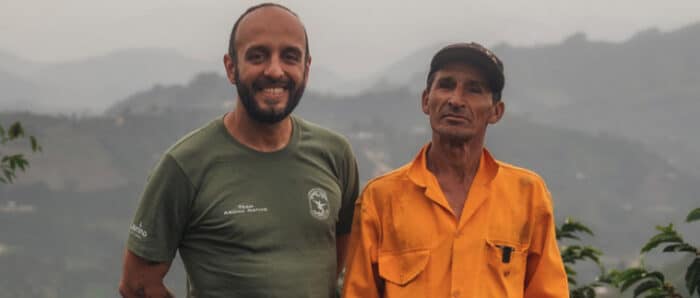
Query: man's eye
x=255 y=57
x=445 y=85
x=292 y=56
x=475 y=89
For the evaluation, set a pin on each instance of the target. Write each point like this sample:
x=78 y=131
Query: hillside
x=90 y=85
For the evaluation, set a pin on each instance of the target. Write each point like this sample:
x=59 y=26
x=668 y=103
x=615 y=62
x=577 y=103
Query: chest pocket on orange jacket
x=507 y=262
x=403 y=272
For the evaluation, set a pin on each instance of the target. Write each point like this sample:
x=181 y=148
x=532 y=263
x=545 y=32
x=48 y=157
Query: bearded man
x=258 y=202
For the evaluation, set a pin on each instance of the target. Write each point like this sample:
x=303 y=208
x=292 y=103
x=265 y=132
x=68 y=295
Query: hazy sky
x=353 y=38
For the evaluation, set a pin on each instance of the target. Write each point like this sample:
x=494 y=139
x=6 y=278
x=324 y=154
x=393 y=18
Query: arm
x=143 y=278
x=156 y=230
x=349 y=181
x=341 y=244
x=545 y=276
x=361 y=275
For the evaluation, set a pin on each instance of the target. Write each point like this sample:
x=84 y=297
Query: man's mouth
x=275 y=91
x=455 y=117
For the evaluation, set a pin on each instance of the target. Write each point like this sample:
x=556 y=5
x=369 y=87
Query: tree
x=10 y=163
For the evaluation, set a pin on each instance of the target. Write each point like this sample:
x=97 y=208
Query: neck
x=458 y=159
x=263 y=137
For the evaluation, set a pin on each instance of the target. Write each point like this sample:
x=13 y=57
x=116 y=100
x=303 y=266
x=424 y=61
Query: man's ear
x=230 y=66
x=497 y=111
x=306 y=71
x=424 y=101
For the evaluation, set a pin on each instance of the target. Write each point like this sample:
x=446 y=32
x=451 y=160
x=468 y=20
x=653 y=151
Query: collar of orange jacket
x=420 y=175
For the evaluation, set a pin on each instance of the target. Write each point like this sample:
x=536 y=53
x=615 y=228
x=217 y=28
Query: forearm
x=143 y=278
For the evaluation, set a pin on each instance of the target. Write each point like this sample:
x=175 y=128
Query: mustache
x=455 y=111
x=266 y=82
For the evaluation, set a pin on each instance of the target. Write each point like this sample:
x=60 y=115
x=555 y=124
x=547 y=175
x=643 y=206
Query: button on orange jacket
x=406 y=241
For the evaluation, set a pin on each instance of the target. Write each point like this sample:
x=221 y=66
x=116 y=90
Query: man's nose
x=456 y=101
x=274 y=69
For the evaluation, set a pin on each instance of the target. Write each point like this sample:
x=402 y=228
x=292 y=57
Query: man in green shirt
x=257 y=203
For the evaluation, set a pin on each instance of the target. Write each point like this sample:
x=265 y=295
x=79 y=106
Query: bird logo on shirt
x=318 y=203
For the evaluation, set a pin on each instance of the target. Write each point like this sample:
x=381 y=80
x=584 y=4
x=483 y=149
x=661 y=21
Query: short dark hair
x=232 y=39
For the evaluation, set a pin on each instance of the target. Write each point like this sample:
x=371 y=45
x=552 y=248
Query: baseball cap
x=473 y=54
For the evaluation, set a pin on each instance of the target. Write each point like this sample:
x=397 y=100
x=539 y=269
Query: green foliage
x=669 y=235
x=587 y=291
x=644 y=283
x=673 y=242
x=571 y=254
x=570 y=228
x=692 y=277
x=650 y=283
x=11 y=163
x=693 y=215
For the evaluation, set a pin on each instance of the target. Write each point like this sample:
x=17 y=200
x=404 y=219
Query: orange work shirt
x=407 y=242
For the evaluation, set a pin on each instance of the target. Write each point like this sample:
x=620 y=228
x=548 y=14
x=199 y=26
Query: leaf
x=658 y=293
x=693 y=215
x=680 y=247
x=692 y=277
x=15 y=131
x=570 y=228
x=630 y=277
x=668 y=235
x=9 y=175
x=646 y=286
x=35 y=145
x=591 y=253
x=657 y=275
x=610 y=277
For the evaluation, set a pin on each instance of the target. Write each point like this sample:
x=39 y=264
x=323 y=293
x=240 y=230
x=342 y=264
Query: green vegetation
x=646 y=283
x=10 y=163
x=571 y=254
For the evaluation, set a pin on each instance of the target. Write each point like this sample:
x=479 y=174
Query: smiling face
x=271 y=65
x=459 y=103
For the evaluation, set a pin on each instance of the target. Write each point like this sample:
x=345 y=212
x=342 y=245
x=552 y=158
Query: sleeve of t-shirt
x=162 y=213
x=350 y=190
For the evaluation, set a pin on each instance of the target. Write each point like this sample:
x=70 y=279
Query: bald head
x=264 y=12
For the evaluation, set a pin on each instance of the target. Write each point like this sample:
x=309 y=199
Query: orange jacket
x=406 y=242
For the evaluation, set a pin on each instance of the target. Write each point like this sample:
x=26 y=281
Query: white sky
x=352 y=38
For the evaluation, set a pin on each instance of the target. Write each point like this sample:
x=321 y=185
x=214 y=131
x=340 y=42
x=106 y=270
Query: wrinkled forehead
x=270 y=24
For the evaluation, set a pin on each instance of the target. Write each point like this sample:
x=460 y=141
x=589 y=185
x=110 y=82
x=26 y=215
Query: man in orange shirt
x=455 y=222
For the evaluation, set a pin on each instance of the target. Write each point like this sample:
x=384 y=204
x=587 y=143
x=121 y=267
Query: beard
x=247 y=97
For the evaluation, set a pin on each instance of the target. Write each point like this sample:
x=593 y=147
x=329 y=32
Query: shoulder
x=528 y=183
x=392 y=178
x=510 y=171
x=385 y=187
x=318 y=136
x=194 y=143
x=197 y=149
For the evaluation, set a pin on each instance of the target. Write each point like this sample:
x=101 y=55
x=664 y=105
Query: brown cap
x=474 y=54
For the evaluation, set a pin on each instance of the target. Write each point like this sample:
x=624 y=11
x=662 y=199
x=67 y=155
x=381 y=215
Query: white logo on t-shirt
x=138 y=231
x=318 y=203
x=245 y=208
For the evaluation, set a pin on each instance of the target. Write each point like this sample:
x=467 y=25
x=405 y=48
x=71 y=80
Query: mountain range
x=608 y=125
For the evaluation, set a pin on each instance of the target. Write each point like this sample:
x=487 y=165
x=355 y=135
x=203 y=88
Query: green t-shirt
x=248 y=223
